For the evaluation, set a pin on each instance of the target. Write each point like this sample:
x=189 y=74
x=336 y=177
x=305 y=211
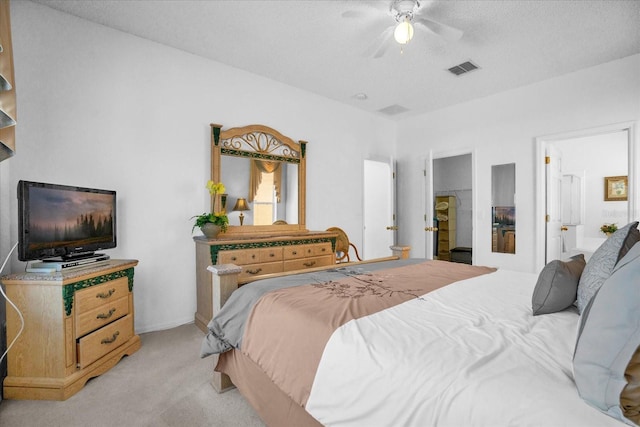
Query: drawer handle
x=112 y=339
x=294 y=252
x=253 y=256
x=104 y=295
x=324 y=249
x=107 y=315
x=256 y=271
x=272 y=254
x=309 y=264
x=233 y=258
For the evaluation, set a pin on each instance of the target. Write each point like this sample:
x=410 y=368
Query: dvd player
x=51 y=265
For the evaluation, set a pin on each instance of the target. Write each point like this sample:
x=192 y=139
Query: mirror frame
x=244 y=142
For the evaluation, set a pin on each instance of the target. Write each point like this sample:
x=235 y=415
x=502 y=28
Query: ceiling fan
x=406 y=14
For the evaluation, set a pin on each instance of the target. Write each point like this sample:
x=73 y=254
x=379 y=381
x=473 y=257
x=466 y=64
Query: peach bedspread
x=287 y=330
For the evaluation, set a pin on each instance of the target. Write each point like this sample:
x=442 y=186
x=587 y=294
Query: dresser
x=78 y=325
x=257 y=257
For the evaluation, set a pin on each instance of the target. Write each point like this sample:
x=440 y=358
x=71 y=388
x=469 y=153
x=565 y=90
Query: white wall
x=100 y=108
x=502 y=129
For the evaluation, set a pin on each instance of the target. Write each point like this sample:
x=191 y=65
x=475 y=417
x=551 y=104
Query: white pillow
x=609 y=340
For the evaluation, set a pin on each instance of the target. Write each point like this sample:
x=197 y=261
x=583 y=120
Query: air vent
x=463 y=68
x=393 y=109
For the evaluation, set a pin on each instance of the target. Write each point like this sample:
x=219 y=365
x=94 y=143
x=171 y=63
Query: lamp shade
x=241 y=205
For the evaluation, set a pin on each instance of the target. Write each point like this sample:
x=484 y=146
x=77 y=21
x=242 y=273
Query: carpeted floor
x=165 y=383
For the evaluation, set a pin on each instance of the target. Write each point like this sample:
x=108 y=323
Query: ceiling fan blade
x=446 y=32
x=354 y=14
x=365 y=9
x=379 y=46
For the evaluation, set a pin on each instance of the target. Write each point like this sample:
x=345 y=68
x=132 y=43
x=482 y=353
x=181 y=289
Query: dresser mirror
x=264 y=174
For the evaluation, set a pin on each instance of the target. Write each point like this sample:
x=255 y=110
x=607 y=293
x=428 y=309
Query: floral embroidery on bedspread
x=368 y=284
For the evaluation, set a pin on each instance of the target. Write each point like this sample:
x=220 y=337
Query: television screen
x=64 y=221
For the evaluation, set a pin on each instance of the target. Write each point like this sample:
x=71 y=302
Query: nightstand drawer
x=95 y=296
x=91 y=320
x=95 y=345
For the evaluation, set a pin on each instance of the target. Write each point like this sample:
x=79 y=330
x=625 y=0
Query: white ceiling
x=309 y=45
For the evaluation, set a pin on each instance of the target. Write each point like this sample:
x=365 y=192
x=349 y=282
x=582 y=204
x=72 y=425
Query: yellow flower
x=215 y=188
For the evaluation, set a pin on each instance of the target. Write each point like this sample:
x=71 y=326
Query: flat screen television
x=64 y=222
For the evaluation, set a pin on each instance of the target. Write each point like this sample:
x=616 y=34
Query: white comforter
x=469 y=354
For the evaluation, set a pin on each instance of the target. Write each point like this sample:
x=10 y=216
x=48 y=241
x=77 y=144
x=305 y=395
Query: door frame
x=429 y=196
x=541 y=143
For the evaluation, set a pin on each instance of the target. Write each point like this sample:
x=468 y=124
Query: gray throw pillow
x=600 y=265
x=632 y=238
x=606 y=355
x=557 y=285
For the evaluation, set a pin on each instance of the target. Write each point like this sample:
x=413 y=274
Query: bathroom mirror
x=267 y=169
x=503 y=208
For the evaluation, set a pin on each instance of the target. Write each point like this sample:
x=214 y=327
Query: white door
x=379 y=209
x=429 y=225
x=553 y=203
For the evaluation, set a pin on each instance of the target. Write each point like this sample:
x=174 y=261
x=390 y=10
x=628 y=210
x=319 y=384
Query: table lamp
x=241 y=205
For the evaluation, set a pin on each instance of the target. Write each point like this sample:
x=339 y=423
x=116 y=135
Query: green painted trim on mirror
x=256 y=155
x=216 y=134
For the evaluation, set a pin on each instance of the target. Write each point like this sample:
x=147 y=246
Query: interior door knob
x=392 y=227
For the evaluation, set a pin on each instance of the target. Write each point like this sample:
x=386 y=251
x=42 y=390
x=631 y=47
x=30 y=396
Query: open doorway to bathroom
x=576 y=204
x=585 y=208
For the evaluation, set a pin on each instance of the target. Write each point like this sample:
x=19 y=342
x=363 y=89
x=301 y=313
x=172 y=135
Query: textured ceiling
x=310 y=45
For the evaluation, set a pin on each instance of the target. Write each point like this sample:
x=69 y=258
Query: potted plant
x=214 y=222
x=608 y=229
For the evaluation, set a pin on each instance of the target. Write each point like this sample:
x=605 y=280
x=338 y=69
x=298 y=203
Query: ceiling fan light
x=403 y=32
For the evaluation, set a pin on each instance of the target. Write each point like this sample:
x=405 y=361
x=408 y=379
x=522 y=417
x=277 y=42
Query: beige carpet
x=165 y=383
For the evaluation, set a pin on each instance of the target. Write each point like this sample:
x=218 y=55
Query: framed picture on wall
x=615 y=188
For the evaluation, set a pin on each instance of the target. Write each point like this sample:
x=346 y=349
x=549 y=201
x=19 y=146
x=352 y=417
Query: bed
x=419 y=343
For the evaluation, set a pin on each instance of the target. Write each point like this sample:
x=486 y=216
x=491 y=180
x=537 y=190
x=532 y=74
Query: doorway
x=449 y=207
x=572 y=206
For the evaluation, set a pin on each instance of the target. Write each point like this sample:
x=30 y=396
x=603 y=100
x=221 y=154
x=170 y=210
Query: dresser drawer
x=95 y=296
x=301 y=264
x=271 y=254
x=91 y=320
x=305 y=251
x=295 y=252
x=260 y=269
x=239 y=257
x=320 y=249
x=95 y=345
